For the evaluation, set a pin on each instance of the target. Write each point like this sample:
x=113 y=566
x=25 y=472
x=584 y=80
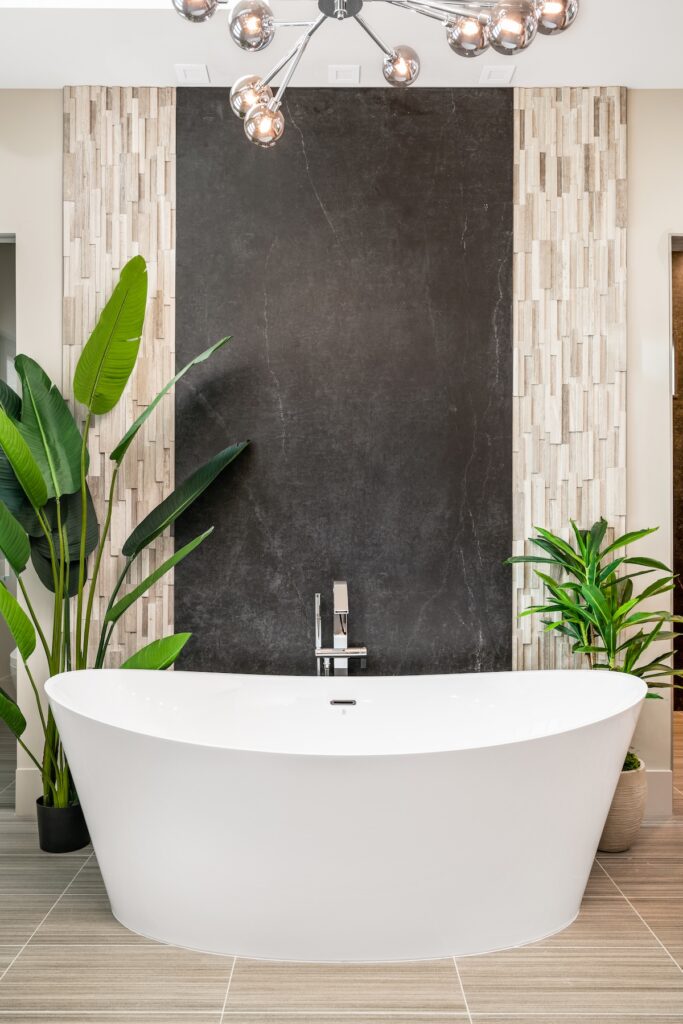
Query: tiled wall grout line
x=227 y=990
x=673 y=960
x=462 y=989
x=42 y=921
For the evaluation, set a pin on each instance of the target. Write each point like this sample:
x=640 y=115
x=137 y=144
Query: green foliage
x=127 y=439
x=632 y=763
x=109 y=356
x=18 y=623
x=22 y=462
x=117 y=610
x=14 y=543
x=594 y=603
x=9 y=401
x=49 y=429
x=11 y=715
x=160 y=654
x=47 y=512
x=172 y=507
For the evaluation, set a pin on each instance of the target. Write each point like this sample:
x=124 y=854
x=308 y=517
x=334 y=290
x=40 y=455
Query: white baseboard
x=659 y=795
x=29 y=788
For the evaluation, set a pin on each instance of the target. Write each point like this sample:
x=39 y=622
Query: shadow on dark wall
x=364 y=268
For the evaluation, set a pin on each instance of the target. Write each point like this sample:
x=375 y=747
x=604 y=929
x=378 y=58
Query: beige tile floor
x=65 y=960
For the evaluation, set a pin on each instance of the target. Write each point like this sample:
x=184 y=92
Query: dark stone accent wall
x=364 y=268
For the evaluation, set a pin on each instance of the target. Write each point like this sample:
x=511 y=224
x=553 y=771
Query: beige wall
x=7 y=342
x=31 y=209
x=655 y=212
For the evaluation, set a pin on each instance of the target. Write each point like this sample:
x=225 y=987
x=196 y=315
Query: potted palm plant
x=591 y=601
x=47 y=517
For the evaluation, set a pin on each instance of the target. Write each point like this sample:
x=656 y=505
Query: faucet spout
x=340 y=653
x=340 y=595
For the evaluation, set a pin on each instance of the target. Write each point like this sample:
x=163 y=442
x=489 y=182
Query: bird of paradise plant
x=47 y=515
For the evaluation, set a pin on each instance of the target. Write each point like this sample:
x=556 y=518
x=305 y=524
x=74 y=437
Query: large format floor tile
x=330 y=1017
x=84 y=920
x=52 y=979
x=600 y=885
x=89 y=881
x=20 y=915
x=7 y=955
x=532 y=980
x=604 y=923
x=37 y=873
x=111 y=1016
x=584 y=1018
x=642 y=876
x=260 y=985
x=665 y=918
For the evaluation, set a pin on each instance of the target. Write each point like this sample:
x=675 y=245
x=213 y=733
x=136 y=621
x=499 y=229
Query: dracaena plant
x=47 y=515
x=591 y=600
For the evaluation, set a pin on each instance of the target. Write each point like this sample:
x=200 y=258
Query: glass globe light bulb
x=467 y=36
x=513 y=26
x=247 y=92
x=263 y=126
x=251 y=24
x=401 y=67
x=196 y=10
x=556 y=15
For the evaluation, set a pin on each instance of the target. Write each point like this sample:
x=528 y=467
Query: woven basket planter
x=626 y=813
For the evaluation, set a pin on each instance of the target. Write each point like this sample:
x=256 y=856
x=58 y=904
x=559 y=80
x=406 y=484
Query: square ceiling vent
x=192 y=74
x=495 y=74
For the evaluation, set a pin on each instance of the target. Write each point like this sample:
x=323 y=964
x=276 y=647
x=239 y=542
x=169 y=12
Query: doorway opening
x=8 y=676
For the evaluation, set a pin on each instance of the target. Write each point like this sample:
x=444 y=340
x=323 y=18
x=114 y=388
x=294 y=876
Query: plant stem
x=81 y=552
x=58 y=632
x=98 y=560
x=105 y=633
x=34 y=618
x=37 y=696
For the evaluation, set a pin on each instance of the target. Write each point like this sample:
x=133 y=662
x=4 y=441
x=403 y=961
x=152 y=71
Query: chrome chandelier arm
x=373 y=35
x=294 y=55
x=443 y=10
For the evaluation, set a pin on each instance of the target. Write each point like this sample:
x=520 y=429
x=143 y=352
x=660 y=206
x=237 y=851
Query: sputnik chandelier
x=472 y=26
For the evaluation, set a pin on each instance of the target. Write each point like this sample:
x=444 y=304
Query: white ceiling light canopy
x=472 y=26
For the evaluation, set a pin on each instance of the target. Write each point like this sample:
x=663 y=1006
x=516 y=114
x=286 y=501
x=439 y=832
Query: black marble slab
x=364 y=268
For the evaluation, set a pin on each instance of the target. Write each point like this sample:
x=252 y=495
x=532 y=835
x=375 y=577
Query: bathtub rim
x=636 y=702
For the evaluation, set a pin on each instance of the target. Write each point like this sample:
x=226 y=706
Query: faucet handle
x=318 y=623
x=340 y=591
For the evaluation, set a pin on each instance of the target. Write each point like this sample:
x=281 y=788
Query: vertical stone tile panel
x=569 y=323
x=119 y=201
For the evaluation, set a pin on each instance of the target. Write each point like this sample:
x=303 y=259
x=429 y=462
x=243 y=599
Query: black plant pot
x=61 y=829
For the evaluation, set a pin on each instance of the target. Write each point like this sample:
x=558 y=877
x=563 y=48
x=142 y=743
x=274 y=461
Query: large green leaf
x=18 y=623
x=127 y=439
x=49 y=429
x=71 y=519
x=110 y=353
x=628 y=538
x=14 y=543
x=172 y=507
x=160 y=654
x=121 y=606
x=40 y=549
x=22 y=462
x=11 y=715
x=9 y=401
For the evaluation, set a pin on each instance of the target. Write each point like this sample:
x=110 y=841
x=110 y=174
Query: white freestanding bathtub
x=436 y=816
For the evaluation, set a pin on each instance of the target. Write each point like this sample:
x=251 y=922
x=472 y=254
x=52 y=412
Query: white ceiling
x=48 y=44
